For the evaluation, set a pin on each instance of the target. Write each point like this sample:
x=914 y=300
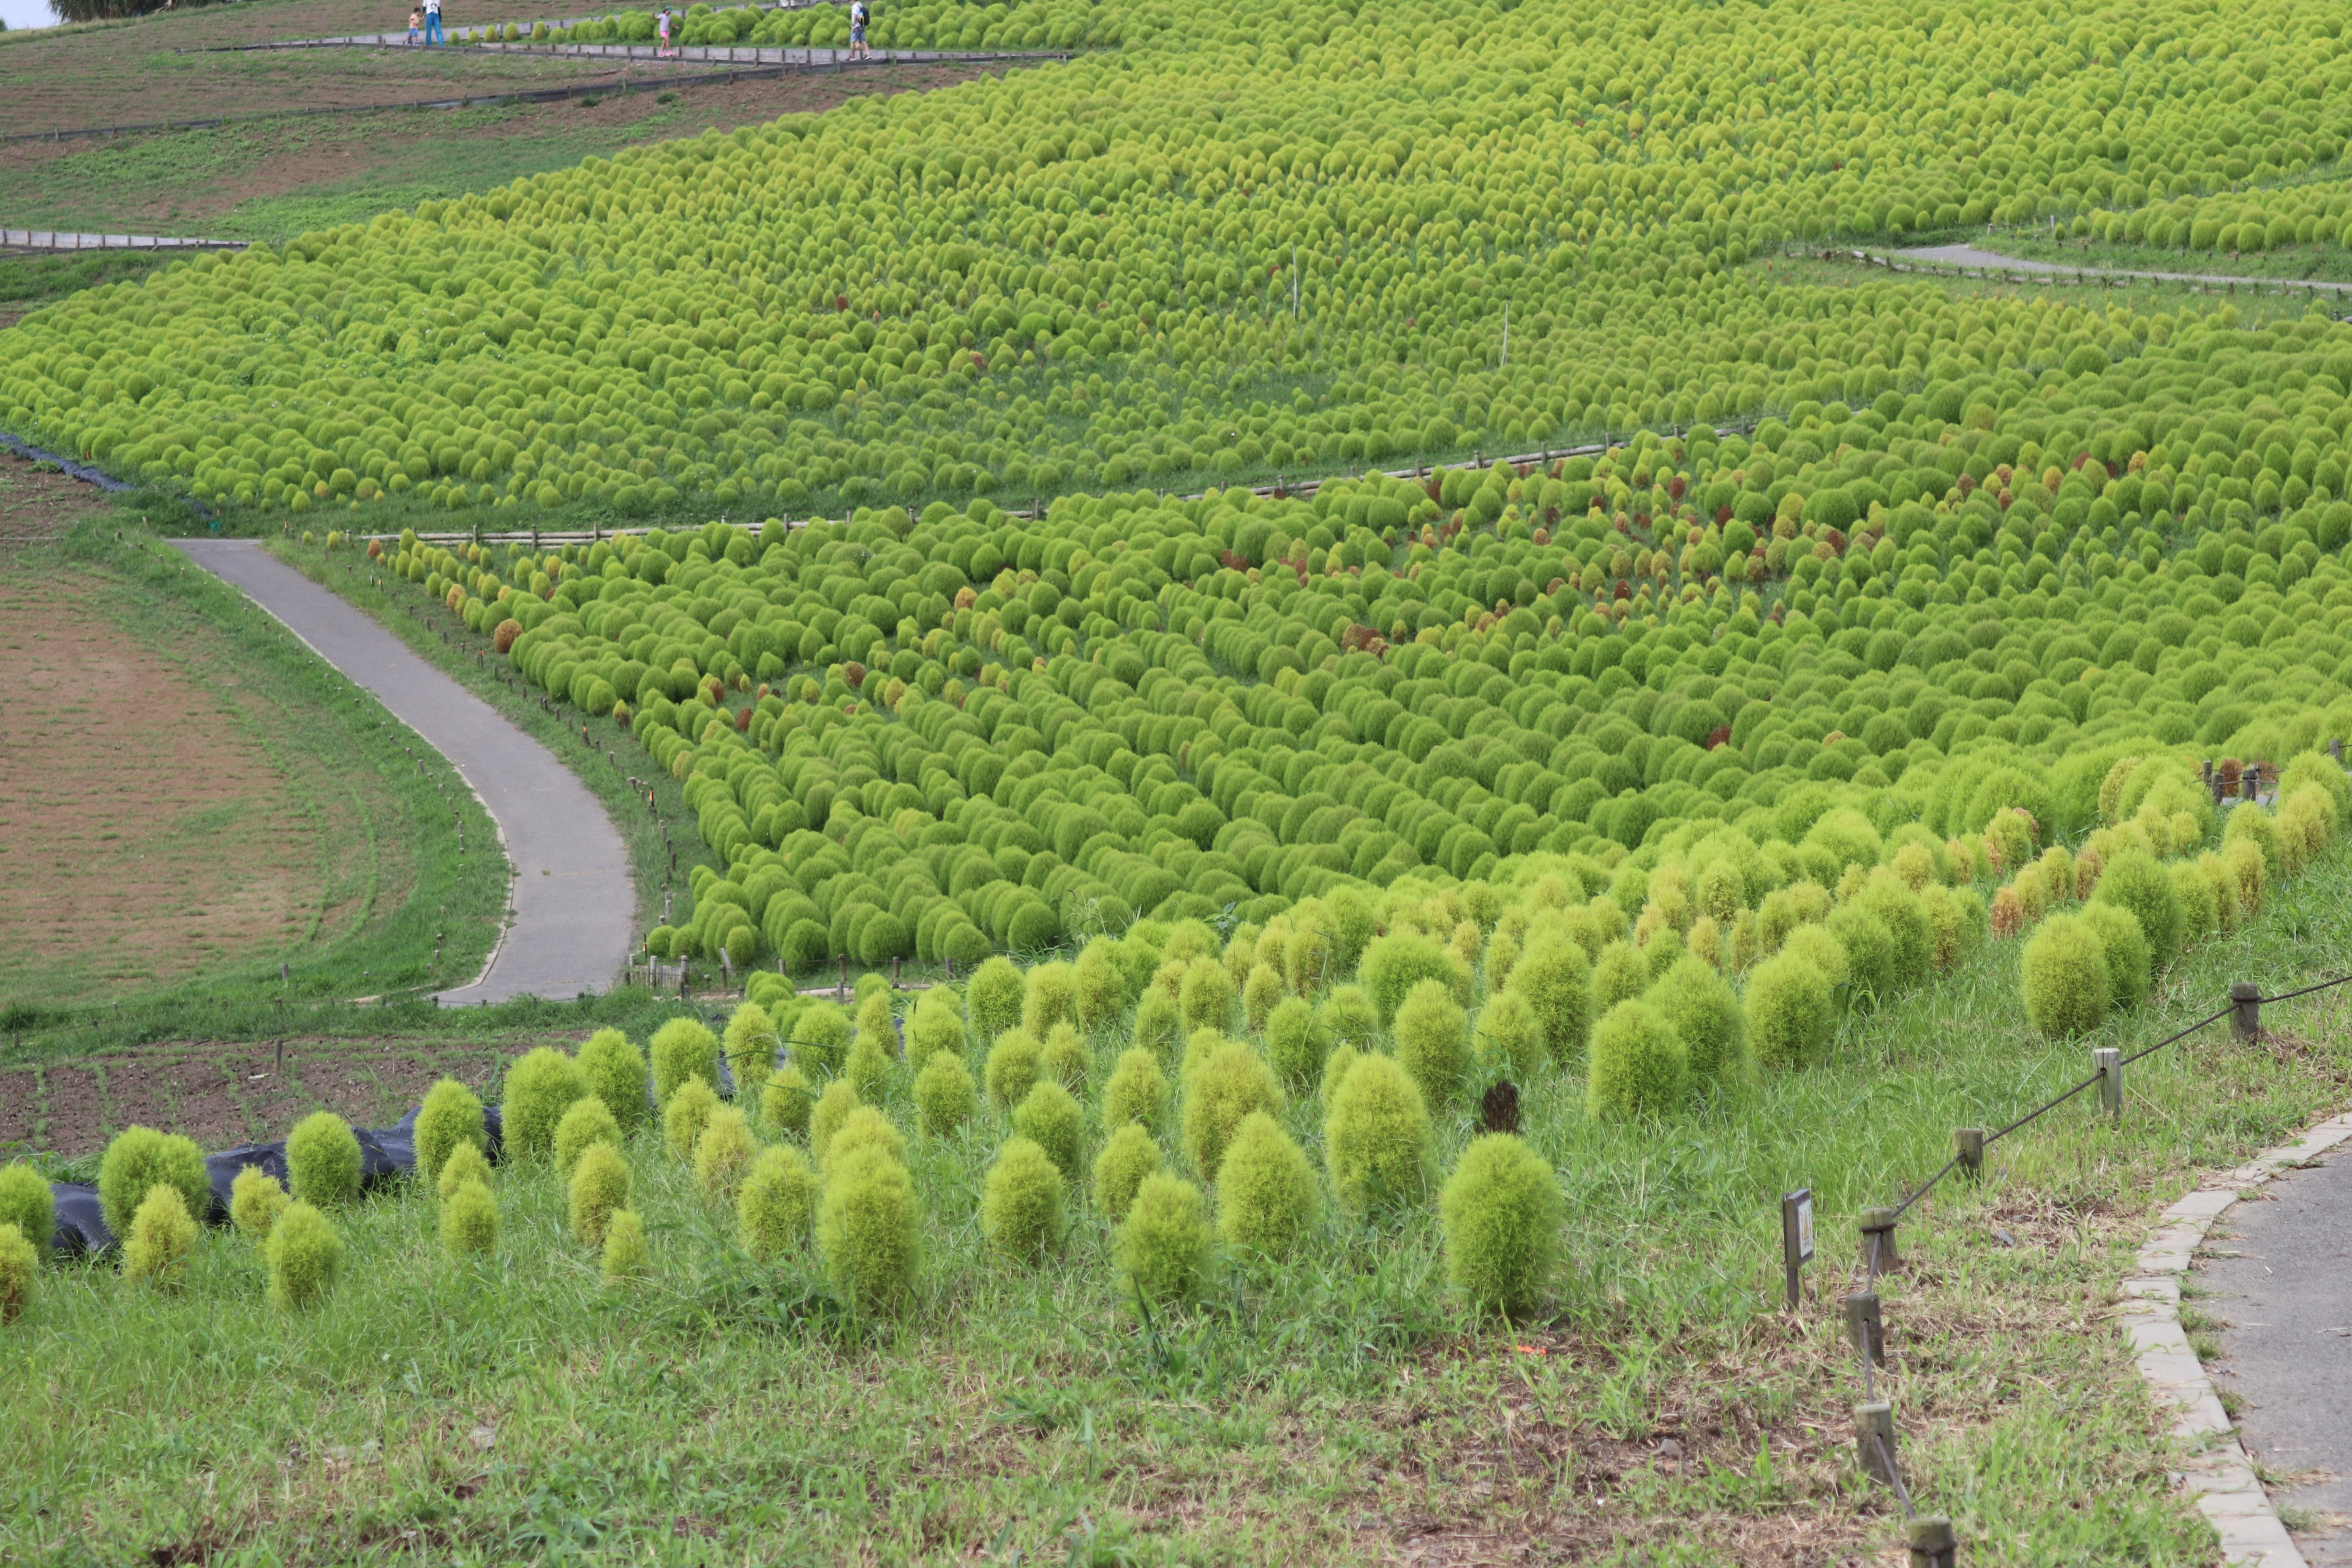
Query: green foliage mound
x=945 y=1094
x=161 y=1241
x=469 y=1222
x=1163 y=1245
x=20 y=1270
x=322 y=1162
x=2068 y=984
x=777 y=1206
x=539 y=1086
x=1022 y=1201
x=451 y=1114
x=599 y=1186
x=1127 y=1157
x=27 y=1202
x=868 y=1230
x=138 y=1160
x=1267 y=1197
x=305 y=1254
x=255 y=1202
x=682 y=1049
x=1049 y=1117
x=1376 y=1134
x=1637 y=1066
x=614 y=1071
x=1432 y=1039
x=1501 y=1212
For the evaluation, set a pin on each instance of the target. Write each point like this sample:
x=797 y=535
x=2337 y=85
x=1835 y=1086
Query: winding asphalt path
x=2282 y=1283
x=574 y=901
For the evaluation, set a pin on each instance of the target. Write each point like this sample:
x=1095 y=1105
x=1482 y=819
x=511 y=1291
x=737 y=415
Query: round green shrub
x=723 y=1153
x=27 y=1202
x=1232 y=1081
x=785 y=1103
x=1267 y=1198
x=1050 y=997
x=1049 y=1117
x=588 y=1122
x=820 y=1036
x=1295 y=1042
x=2066 y=979
x=1137 y=1090
x=1790 y=1009
x=868 y=1230
x=682 y=1049
x=1869 y=954
x=1636 y=1067
x=255 y=1202
x=2126 y=947
x=615 y=1073
x=305 y=1254
x=1158 y=1021
x=451 y=1114
x=777 y=1206
x=1335 y=1068
x=1347 y=1016
x=935 y=1026
x=2200 y=911
x=1127 y=1157
x=1260 y=991
x=825 y=1118
x=137 y=1160
x=1021 y=1203
x=1509 y=1042
x=1015 y=1062
x=945 y=1095
x=2247 y=823
x=1064 y=1058
x=1432 y=1039
x=1620 y=975
x=1816 y=946
x=871 y=1063
x=996 y=996
x=1376 y=1135
x=691 y=1105
x=1098 y=987
x=2133 y=880
x=469 y=1222
x=465 y=1163
x=1912 y=953
x=863 y=1127
x=1393 y=964
x=599 y=1184
x=540 y=1088
x=20 y=1271
x=1163 y=1247
x=161 y=1238
x=323 y=1160
x=1206 y=995
x=1501 y=1215
x=750 y=1042
x=1699 y=1005
x=627 y=1258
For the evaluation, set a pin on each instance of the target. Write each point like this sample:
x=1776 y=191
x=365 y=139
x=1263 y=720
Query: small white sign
x=1805 y=1227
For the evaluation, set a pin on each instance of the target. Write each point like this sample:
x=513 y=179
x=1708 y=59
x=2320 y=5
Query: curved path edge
x=574 y=901
x=2218 y=1471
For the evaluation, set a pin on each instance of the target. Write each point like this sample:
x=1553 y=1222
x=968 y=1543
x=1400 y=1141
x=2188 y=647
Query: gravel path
x=1976 y=260
x=573 y=899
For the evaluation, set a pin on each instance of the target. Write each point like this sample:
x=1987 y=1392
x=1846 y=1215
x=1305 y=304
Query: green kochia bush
x=1267 y=1198
x=627 y=1258
x=1702 y=1010
x=1432 y=1039
x=1510 y=1042
x=255 y=1202
x=2126 y=948
x=1099 y=986
x=589 y=1120
x=1049 y=1117
x=723 y=1153
x=466 y=1164
x=1015 y=1062
x=2134 y=881
x=450 y=1115
x=305 y=1254
x=1128 y=1156
x=1393 y=964
x=1232 y=1081
x=820 y=1036
x=863 y=1127
x=868 y=1230
x=137 y=1161
x=1137 y=1090
x=1163 y=1245
x=615 y=1071
x=27 y=1202
x=778 y=1204
x=1638 y=1067
x=469 y=1222
x=161 y=1239
x=1501 y=1213
x=1158 y=1021
x=994 y=995
x=1296 y=1041
x=540 y=1088
x=751 y=1043
x=2067 y=982
x=1021 y=1204
x=323 y=1160
x=682 y=1049
x=1790 y=1009
x=945 y=1095
x=687 y=1111
x=20 y=1268
x=599 y=1186
x=785 y=1103
x=1376 y=1134
x=833 y=1108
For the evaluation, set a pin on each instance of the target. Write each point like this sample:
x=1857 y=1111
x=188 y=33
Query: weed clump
x=628 y=1260
x=599 y=1186
x=1162 y=1249
x=868 y=1230
x=614 y=1071
x=469 y=1222
x=589 y=1122
x=2067 y=982
x=1137 y=1090
x=1500 y=1211
x=540 y=1088
x=305 y=1254
x=27 y=1202
x=450 y=1115
x=1376 y=1135
x=1432 y=1039
x=777 y=1205
x=1267 y=1198
x=162 y=1240
x=1230 y=1082
x=722 y=1154
x=1637 y=1066
x=255 y=1202
x=945 y=1095
x=20 y=1270
x=1021 y=1205
x=137 y=1161
x=687 y=1111
x=1128 y=1156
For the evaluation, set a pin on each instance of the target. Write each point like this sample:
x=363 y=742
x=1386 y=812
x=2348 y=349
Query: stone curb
x=2219 y=1472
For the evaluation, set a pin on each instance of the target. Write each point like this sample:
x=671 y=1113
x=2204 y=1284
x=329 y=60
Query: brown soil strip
x=36 y=502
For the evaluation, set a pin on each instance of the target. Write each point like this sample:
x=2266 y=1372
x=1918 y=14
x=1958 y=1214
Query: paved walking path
x=810 y=56
x=2282 y=1284
x=59 y=239
x=1971 y=258
x=574 y=905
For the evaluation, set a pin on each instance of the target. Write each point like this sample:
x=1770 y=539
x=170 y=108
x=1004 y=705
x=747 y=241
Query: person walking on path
x=415 y=23
x=661 y=27
x=433 y=34
x=858 y=20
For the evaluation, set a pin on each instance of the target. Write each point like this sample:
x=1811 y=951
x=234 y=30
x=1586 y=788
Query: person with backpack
x=858 y=19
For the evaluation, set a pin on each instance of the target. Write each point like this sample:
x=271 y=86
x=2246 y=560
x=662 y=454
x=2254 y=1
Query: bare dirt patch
x=39 y=502
x=224 y=1095
x=146 y=833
